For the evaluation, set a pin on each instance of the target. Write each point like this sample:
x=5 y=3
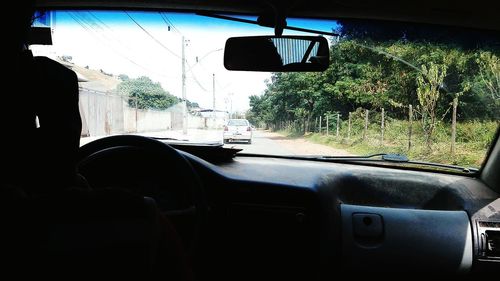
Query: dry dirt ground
x=301 y=146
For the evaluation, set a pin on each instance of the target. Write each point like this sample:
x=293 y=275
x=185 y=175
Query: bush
x=472 y=140
x=477 y=132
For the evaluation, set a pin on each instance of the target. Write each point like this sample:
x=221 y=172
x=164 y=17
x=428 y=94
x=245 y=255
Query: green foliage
x=476 y=132
x=489 y=69
x=123 y=77
x=143 y=93
x=190 y=104
x=390 y=71
x=429 y=82
x=473 y=140
x=386 y=74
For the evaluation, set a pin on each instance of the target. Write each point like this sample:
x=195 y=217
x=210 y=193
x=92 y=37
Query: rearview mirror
x=277 y=53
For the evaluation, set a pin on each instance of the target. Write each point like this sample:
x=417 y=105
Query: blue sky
x=189 y=20
x=111 y=41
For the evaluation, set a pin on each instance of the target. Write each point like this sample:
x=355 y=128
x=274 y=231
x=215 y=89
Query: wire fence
x=377 y=129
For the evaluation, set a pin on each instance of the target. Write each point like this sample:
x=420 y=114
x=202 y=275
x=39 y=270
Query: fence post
x=327 y=124
x=349 y=127
x=338 y=119
x=136 y=126
x=366 y=124
x=382 y=127
x=320 y=124
x=454 y=125
x=410 y=119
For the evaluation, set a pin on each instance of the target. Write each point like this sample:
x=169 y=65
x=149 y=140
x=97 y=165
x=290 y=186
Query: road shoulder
x=301 y=146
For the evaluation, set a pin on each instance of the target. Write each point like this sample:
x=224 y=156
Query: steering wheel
x=150 y=168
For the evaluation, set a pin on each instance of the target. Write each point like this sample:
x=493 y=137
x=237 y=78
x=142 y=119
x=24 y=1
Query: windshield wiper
x=172 y=141
x=467 y=170
x=169 y=139
x=385 y=156
x=399 y=158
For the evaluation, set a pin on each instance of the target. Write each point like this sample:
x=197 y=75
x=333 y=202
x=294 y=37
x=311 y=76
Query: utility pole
x=338 y=124
x=367 y=112
x=410 y=120
x=184 y=103
x=230 y=105
x=136 y=127
x=454 y=126
x=213 y=91
x=382 y=128
x=327 y=125
x=349 y=127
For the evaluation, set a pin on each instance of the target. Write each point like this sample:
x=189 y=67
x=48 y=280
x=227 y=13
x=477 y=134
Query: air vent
x=489 y=239
x=489 y=224
x=492 y=243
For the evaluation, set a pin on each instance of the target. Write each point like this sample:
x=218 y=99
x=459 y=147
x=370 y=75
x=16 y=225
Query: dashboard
x=291 y=217
x=298 y=219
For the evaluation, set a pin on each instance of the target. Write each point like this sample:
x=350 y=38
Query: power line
x=85 y=25
x=198 y=61
x=111 y=32
x=198 y=82
x=208 y=72
x=99 y=20
x=89 y=25
x=152 y=37
x=104 y=32
x=168 y=22
x=157 y=41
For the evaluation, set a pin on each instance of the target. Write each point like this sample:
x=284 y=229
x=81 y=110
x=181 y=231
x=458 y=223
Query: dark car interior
x=242 y=216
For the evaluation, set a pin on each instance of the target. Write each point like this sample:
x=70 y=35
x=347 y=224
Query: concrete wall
x=106 y=114
x=151 y=120
x=102 y=113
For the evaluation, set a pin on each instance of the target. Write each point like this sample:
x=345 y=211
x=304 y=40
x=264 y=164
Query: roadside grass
x=291 y=134
x=473 y=139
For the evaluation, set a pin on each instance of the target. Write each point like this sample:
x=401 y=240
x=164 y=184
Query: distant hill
x=96 y=80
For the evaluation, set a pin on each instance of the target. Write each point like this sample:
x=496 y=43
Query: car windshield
x=237 y=122
x=430 y=93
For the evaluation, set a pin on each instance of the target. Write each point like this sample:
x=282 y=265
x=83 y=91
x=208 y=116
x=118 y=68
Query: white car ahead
x=237 y=130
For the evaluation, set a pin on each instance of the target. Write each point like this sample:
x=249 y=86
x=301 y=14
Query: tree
x=67 y=58
x=143 y=93
x=489 y=69
x=123 y=77
x=380 y=67
x=429 y=82
x=190 y=104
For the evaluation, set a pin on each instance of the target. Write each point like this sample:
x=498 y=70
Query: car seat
x=54 y=227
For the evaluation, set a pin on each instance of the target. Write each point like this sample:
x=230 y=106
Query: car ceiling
x=481 y=14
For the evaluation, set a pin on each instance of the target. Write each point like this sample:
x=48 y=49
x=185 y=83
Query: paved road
x=261 y=145
x=262 y=142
